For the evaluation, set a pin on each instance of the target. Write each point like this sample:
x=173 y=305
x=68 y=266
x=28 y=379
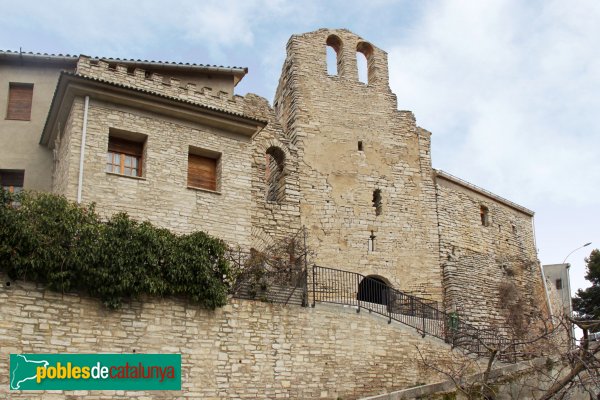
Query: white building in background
x=557 y=277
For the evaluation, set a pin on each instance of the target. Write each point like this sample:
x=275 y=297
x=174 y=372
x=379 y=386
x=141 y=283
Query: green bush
x=46 y=238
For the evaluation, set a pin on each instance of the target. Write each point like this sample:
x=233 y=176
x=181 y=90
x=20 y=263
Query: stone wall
x=342 y=141
x=325 y=117
x=165 y=85
x=491 y=273
x=527 y=380
x=161 y=195
x=273 y=220
x=318 y=123
x=243 y=350
x=66 y=151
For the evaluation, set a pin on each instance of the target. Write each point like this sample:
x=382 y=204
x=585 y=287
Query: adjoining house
x=559 y=282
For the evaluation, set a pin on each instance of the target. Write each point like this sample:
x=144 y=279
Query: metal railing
x=282 y=276
x=330 y=285
x=277 y=274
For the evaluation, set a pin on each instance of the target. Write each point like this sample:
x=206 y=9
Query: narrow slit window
x=360 y=145
x=484 y=215
x=558 y=284
x=377 y=201
x=371 y=243
x=275 y=174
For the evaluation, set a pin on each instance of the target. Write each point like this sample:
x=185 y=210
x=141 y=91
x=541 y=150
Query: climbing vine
x=46 y=238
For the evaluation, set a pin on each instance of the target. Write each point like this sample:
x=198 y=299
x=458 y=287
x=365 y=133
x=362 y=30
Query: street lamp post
x=569 y=277
x=587 y=244
x=569 y=289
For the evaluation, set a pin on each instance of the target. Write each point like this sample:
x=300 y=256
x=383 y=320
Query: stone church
x=173 y=144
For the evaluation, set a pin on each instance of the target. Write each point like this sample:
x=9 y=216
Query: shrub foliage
x=46 y=238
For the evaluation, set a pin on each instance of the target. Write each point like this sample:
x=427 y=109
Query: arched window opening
x=275 y=174
x=363 y=68
x=364 y=62
x=373 y=290
x=334 y=51
x=332 y=68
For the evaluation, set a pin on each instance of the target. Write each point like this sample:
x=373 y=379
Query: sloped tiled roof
x=66 y=57
x=30 y=53
x=164 y=96
x=66 y=75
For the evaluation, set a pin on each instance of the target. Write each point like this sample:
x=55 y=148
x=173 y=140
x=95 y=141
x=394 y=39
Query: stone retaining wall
x=244 y=350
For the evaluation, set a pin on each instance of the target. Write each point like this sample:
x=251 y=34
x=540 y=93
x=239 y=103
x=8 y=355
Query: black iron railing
x=330 y=285
x=277 y=274
x=289 y=280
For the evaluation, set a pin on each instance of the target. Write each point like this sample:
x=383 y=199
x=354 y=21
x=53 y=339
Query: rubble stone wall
x=352 y=141
x=161 y=195
x=491 y=273
x=244 y=350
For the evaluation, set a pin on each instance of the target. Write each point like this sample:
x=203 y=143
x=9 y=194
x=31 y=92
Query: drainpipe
x=82 y=151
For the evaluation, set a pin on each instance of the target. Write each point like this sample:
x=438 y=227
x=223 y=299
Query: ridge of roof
x=122 y=60
x=487 y=193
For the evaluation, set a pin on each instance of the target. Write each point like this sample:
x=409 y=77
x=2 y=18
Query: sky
x=509 y=89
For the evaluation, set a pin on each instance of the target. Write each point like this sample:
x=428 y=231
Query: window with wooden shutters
x=20 y=96
x=202 y=171
x=124 y=156
x=12 y=180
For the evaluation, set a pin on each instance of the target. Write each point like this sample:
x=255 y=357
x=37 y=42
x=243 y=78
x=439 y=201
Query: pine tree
x=586 y=302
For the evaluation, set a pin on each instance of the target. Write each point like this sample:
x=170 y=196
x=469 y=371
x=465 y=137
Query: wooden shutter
x=202 y=172
x=124 y=146
x=20 y=96
x=12 y=179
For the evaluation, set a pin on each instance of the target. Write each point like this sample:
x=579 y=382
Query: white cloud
x=230 y=22
x=510 y=92
x=115 y=27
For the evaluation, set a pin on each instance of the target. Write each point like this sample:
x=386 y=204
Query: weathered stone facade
x=161 y=195
x=491 y=272
x=245 y=350
x=334 y=155
x=352 y=141
x=343 y=145
x=163 y=188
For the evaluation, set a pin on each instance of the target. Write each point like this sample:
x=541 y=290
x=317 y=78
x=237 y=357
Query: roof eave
x=238 y=73
x=70 y=86
x=38 y=58
x=483 y=192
